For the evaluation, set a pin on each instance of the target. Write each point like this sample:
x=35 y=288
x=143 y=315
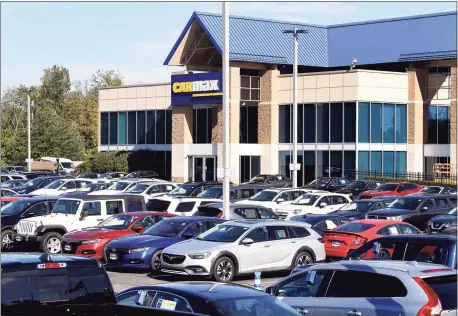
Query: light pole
x=226 y=157
x=295 y=33
x=29 y=163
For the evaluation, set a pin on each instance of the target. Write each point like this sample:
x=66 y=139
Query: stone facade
x=182 y=125
x=453 y=105
x=416 y=107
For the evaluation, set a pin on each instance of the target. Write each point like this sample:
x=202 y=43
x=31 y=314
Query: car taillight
x=433 y=307
x=52 y=265
x=321 y=240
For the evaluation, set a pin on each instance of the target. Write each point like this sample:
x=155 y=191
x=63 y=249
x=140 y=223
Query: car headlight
x=91 y=241
x=297 y=211
x=450 y=225
x=395 y=218
x=204 y=255
x=135 y=250
x=21 y=191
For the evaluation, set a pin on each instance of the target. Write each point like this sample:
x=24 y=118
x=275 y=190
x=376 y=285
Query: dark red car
x=392 y=189
x=90 y=242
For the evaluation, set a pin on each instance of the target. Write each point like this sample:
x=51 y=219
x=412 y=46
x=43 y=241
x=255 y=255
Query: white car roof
x=261 y=222
x=324 y=193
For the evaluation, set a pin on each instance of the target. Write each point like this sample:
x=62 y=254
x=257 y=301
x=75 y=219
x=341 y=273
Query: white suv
x=61 y=186
x=121 y=186
x=274 y=198
x=182 y=206
x=313 y=203
x=151 y=189
x=70 y=214
x=245 y=246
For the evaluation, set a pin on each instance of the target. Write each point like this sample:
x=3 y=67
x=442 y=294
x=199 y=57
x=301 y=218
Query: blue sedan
x=143 y=250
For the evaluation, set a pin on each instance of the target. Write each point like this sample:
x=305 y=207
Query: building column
x=417 y=122
x=181 y=135
x=453 y=120
x=268 y=121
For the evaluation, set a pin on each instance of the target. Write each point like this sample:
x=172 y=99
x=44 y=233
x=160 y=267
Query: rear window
x=445 y=288
x=157 y=205
x=208 y=212
x=353 y=227
x=300 y=231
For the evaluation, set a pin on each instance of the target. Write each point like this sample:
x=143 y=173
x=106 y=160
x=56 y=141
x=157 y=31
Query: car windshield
x=215 y=193
x=223 y=233
x=117 y=222
x=387 y=187
x=306 y=199
x=183 y=189
x=7 y=184
x=67 y=164
x=64 y=206
x=320 y=181
x=453 y=212
x=357 y=185
x=15 y=207
x=55 y=184
x=432 y=190
x=406 y=203
x=34 y=182
x=353 y=227
x=356 y=207
x=166 y=228
x=264 y=196
x=261 y=305
x=138 y=188
x=119 y=186
x=89 y=188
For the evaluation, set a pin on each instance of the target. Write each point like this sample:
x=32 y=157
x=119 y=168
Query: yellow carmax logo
x=195 y=86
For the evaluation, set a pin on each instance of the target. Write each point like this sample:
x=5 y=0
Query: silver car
x=245 y=246
x=360 y=288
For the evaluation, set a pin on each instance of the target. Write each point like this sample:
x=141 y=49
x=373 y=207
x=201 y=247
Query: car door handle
x=303 y=311
x=354 y=313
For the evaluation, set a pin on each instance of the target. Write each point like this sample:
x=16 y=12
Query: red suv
x=90 y=242
x=392 y=189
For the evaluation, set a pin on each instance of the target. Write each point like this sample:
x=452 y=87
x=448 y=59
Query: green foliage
x=107 y=161
x=55 y=84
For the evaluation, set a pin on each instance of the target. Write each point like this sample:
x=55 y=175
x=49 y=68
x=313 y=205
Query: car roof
x=375 y=200
x=93 y=197
x=263 y=222
x=376 y=222
x=190 y=219
x=147 y=213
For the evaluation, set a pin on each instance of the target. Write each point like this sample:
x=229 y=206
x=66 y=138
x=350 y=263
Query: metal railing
x=418 y=177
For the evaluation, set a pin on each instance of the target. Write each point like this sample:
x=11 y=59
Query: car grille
x=73 y=244
x=375 y=217
x=173 y=259
x=120 y=253
x=25 y=227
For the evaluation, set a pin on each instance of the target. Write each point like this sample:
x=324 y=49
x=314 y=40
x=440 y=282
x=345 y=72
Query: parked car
x=112 y=175
x=237 y=193
x=143 y=174
x=13 y=212
x=370 y=288
x=36 y=183
x=61 y=186
x=330 y=184
x=91 y=241
x=9 y=184
x=244 y=246
x=359 y=208
x=391 y=189
x=436 y=249
x=274 y=198
x=183 y=206
x=4 y=200
x=321 y=222
x=274 y=180
x=15 y=169
x=143 y=251
x=355 y=188
x=7 y=192
x=436 y=189
x=88 y=188
x=443 y=224
x=12 y=176
x=152 y=189
x=342 y=240
x=236 y=211
x=37 y=173
x=193 y=188
x=58 y=279
x=416 y=210
x=120 y=186
x=70 y=214
x=89 y=175
x=205 y=298
x=313 y=203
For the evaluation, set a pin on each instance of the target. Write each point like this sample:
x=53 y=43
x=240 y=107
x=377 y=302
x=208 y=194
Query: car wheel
x=51 y=243
x=7 y=239
x=156 y=261
x=303 y=258
x=223 y=270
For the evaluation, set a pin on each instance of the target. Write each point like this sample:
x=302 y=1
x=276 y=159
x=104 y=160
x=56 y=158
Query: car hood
x=51 y=219
x=251 y=202
x=141 y=240
x=349 y=213
x=21 y=187
x=377 y=193
x=46 y=192
x=442 y=219
x=94 y=232
x=392 y=212
x=195 y=246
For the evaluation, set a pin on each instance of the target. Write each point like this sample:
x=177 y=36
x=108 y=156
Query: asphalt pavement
x=123 y=280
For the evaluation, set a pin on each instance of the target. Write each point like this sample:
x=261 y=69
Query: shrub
x=108 y=161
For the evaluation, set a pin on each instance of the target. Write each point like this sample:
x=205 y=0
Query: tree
x=55 y=84
x=106 y=78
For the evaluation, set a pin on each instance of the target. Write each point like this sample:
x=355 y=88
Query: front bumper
x=121 y=258
x=75 y=247
x=184 y=265
x=26 y=238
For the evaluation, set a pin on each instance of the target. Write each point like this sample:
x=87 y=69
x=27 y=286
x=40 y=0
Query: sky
x=136 y=37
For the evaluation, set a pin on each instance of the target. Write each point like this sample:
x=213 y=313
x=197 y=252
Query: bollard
x=257 y=280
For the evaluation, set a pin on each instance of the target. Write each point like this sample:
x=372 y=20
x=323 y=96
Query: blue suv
x=144 y=250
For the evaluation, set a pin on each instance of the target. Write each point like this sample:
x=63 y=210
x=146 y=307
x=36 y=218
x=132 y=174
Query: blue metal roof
x=423 y=37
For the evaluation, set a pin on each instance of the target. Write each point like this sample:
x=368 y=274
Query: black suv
x=357 y=187
x=273 y=180
x=330 y=184
x=33 y=279
x=142 y=174
x=193 y=188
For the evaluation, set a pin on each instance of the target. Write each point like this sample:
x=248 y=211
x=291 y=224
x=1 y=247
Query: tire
x=51 y=243
x=155 y=262
x=223 y=269
x=302 y=258
x=7 y=239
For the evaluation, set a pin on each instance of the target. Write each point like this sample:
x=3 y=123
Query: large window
x=249 y=124
x=349 y=122
x=284 y=124
x=438 y=83
x=376 y=123
x=250 y=166
x=136 y=127
x=388 y=123
x=387 y=162
x=364 y=122
x=307 y=161
x=438 y=124
x=202 y=126
x=309 y=125
x=401 y=123
x=250 y=95
x=336 y=118
x=322 y=122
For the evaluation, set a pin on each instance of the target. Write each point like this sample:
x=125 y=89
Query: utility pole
x=29 y=162
x=226 y=156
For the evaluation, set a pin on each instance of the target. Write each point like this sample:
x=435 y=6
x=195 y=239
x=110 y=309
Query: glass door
x=198 y=169
x=204 y=169
x=209 y=169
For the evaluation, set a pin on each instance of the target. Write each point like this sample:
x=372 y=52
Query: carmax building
x=394 y=112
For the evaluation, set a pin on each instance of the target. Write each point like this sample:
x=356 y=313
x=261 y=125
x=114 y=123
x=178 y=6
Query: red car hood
x=378 y=193
x=95 y=232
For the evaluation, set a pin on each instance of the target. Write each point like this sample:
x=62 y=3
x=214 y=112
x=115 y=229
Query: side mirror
x=270 y=290
x=63 y=189
x=424 y=208
x=84 y=213
x=280 y=200
x=187 y=235
x=137 y=228
x=376 y=248
x=310 y=277
x=247 y=241
x=323 y=204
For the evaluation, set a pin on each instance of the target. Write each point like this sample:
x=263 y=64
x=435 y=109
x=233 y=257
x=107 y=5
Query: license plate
x=336 y=244
x=67 y=247
x=113 y=256
x=18 y=238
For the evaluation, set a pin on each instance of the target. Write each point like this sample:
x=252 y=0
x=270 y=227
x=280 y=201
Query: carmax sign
x=201 y=88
